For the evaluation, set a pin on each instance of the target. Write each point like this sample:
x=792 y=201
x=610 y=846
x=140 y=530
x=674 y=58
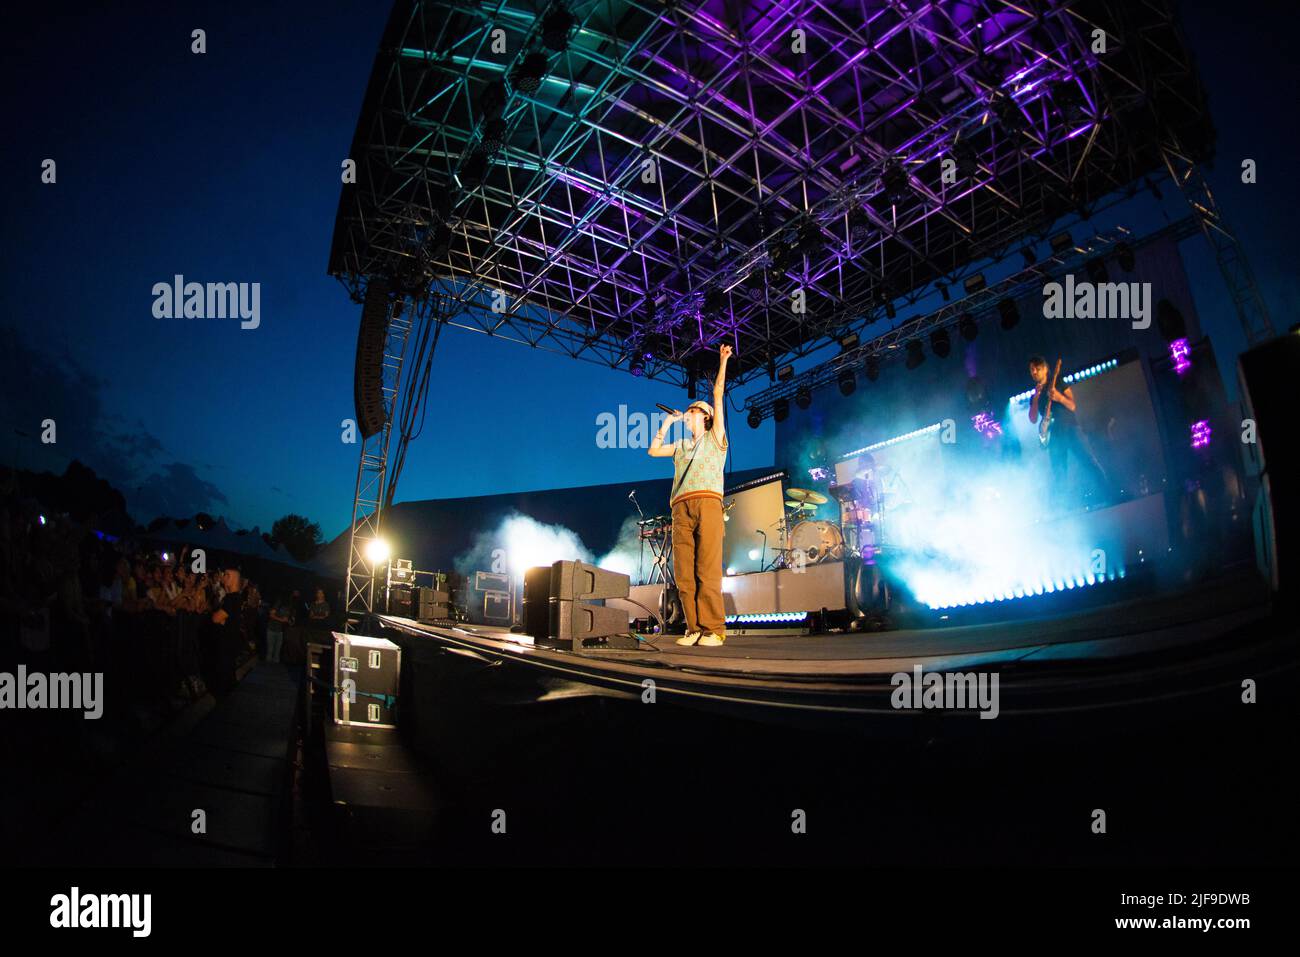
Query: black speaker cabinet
x=1268 y=374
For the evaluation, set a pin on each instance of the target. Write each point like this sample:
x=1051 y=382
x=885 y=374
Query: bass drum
x=816 y=542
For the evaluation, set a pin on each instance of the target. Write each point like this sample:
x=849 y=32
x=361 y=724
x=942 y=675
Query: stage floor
x=851 y=671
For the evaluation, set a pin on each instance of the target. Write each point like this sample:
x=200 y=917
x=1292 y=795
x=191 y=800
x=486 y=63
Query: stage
x=1116 y=655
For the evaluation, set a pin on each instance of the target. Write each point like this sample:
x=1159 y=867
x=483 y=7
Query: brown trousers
x=697 y=563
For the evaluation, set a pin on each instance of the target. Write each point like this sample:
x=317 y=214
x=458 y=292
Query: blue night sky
x=225 y=168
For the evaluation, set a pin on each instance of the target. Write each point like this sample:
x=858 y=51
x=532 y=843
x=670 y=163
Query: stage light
x=975 y=283
x=1009 y=314
x=1096 y=267
x=1201 y=434
x=943 y=290
x=1029 y=256
x=915 y=353
x=731 y=569
x=1124 y=255
x=377 y=551
x=873 y=368
x=781 y=409
x=848 y=382
x=1008 y=113
x=42 y=518
x=889 y=309
x=1180 y=354
x=803 y=398
x=940 y=343
x=894 y=184
x=1061 y=242
x=527 y=77
x=755 y=554
x=637 y=366
x=755 y=418
x=1170 y=321
x=785 y=373
x=967 y=327
x=494 y=135
x=849 y=342
x=555 y=28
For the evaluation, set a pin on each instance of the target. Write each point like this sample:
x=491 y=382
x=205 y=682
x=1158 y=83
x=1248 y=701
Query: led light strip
x=768 y=618
x=894 y=441
x=1045 y=587
x=1087 y=373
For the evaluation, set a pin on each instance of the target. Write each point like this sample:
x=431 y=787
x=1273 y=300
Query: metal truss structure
x=631 y=182
x=974 y=308
x=372 y=469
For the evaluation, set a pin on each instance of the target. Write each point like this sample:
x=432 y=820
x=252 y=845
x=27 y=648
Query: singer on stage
x=696 y=501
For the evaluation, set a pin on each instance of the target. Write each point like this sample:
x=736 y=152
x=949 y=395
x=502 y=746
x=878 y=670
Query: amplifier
x=430 y=596
x=366 y=674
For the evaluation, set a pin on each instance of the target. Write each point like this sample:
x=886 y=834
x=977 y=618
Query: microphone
x=664 y=408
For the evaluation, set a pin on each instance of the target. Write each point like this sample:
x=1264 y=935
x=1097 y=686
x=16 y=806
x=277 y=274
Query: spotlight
x=894 y=184
x=785 y=373
x=1096 y=267
x=1009 y=116
x=848 y=342
x=967 y=327
x=1061 y=242
x=781 y=409
x=637 y=366
x=755 y=418
x=494 y=135
x=527 y=77
x=1124 y=255
x=555 y=28
x=940 y=343
x=377 y=552
x=873 y=369
x=966 y=157
x=1029 y=256
x=975 y=283
x=889 y=309
x=1170 y=321
x=848 y=382
x=803 y=398
x=1009 y=314
x=915 y=353
x=943 y=290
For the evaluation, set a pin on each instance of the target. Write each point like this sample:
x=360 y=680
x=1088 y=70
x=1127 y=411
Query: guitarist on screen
x=1054 y=410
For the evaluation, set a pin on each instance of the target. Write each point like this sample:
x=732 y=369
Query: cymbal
x=802 y=506
x=806 y=495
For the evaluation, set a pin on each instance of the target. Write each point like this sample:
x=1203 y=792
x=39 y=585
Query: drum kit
x=857 y=533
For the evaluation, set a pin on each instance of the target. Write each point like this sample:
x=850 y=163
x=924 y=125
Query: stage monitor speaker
x=537 y=603
x=578 y=581
x=558 y=611
x=1268 y=374
x=368 y=374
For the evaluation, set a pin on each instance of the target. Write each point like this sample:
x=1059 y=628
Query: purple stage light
x=1180 y=353
x=986 y=425
x=1201 y=434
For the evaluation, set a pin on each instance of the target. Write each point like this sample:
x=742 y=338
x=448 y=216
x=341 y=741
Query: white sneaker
x=690 y=638
x=711 y=639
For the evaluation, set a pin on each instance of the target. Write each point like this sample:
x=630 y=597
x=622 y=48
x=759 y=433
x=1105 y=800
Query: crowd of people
x=158 y=620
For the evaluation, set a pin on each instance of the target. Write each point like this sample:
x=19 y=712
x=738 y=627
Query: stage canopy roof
x=633 y=183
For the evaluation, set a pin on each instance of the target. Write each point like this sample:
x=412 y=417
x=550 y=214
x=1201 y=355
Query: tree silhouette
x=301 y=537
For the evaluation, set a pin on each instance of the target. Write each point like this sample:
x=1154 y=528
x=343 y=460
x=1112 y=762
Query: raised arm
x=719 y=387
